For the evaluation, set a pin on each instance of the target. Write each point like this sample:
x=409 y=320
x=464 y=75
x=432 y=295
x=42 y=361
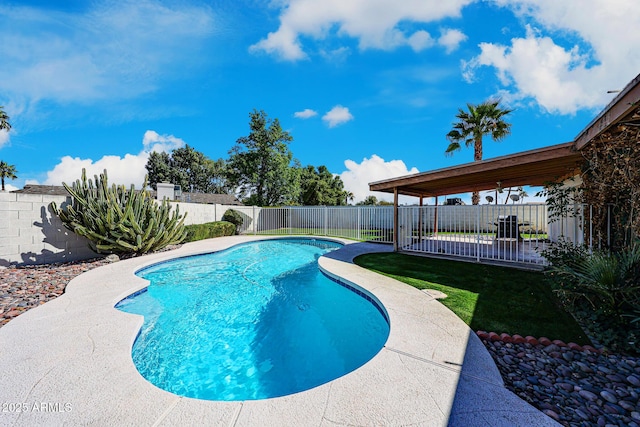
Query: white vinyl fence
x=514 y=233
x=370 y=223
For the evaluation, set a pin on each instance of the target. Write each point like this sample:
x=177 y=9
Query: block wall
x=30 y=233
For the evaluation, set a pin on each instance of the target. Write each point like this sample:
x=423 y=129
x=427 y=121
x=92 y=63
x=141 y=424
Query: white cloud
x=337 y=115
x=8 y=187
x=603 y=52
x=375 y=24
x=336 y=56
x=305 y=114
x=358 y=176
x=451 y=38
x=4 y=137
x=420 y=40
x=112 y=51
x=152 y=141
x=126 y=170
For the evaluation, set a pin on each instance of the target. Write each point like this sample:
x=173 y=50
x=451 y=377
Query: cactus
x=117 y=220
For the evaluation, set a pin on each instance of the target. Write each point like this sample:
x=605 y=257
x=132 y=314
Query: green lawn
x=490 y=298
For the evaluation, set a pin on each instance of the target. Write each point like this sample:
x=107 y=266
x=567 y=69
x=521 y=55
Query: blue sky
x=368 y=88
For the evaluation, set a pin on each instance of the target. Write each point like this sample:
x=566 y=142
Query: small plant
x=117 y=220
x=208 y=230
x=236 y=218
x=562 y=201
x=602 y=289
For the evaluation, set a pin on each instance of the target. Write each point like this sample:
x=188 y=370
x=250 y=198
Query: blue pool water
x=258 y=320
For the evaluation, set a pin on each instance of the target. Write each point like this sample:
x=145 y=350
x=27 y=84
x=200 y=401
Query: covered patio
x=537 y=167
x=482 y=232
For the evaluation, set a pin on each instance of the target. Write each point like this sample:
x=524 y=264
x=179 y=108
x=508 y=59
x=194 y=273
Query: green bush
x=117 y=220
x=208 y=230
x=602 y=289
x=237 y=219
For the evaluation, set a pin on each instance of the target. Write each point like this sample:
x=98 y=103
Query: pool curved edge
x=74 y=354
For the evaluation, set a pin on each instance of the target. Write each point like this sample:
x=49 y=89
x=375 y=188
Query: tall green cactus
x=117 y=220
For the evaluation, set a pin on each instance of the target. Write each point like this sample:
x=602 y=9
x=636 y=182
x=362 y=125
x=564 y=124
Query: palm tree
x=348 y=196
x=522 y=193
x=480 y=120
x=7 y=171
x=4 y=120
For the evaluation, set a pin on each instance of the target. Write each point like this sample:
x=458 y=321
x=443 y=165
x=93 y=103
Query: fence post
x=478 y=209
x=326 y=220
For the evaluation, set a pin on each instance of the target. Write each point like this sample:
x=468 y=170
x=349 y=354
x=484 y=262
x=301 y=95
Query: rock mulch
x=575 y=385
x=25 y=287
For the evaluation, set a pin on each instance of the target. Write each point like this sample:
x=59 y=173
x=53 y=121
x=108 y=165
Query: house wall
x=31 y=233
x=570 y=227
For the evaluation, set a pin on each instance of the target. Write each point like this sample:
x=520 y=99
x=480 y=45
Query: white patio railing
x=508 y=233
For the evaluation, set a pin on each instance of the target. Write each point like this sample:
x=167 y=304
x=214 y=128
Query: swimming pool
x=258 y=320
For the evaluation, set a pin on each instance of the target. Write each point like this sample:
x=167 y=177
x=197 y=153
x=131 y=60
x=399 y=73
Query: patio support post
x=435 y=219
x=478 y=215
x=420 y=221
x=395 y=219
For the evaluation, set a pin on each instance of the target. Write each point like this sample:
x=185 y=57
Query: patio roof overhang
x=623 y=110
x=534 y=167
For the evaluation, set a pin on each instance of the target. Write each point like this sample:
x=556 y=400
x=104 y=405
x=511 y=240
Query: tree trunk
x=475 y=198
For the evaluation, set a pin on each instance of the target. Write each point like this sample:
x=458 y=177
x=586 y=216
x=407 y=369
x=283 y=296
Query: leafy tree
x=158 y=168
x=260 y=164
x=190 y=169
x=368 y=201
x=218 y=182
x=7 y=171
x=483 y=119
x=4 y=120
x=321 y=187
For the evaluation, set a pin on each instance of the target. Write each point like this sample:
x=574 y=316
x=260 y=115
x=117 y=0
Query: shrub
x=237 y=219
x=117 y=220
x=208 y=230
x=602 y=289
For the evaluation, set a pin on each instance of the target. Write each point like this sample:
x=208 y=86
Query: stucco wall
x=30 y=233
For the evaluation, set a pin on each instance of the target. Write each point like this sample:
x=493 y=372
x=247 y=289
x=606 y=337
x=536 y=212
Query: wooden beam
x=395 y=220
x=535 y=167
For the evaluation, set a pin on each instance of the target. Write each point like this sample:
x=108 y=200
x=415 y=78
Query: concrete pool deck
x=69 y=362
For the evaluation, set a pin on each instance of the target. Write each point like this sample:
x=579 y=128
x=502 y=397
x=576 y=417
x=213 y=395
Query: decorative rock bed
x=25 y=287
x=575 y=385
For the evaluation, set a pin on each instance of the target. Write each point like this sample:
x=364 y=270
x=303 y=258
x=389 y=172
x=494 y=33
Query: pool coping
x=69 y=362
